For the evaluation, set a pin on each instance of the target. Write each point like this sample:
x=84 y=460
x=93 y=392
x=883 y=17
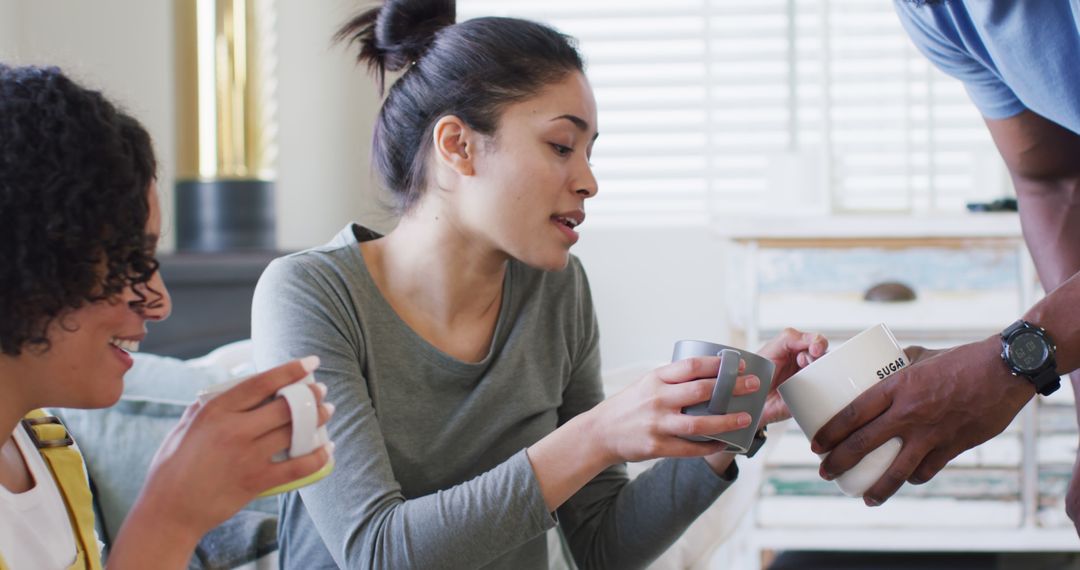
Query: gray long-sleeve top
x=431 y=469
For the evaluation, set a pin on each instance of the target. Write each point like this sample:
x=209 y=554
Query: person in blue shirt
x=1020 y=64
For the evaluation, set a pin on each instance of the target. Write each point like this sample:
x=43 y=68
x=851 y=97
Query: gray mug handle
x=725 y=381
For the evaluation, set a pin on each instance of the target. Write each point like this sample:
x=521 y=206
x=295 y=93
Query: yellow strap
x=67 y=468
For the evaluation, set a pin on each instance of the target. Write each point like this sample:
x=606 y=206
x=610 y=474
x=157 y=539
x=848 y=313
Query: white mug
x=818 y=392
x=307 y=435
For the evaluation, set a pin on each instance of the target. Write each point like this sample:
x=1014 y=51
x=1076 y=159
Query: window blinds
x=713 y=108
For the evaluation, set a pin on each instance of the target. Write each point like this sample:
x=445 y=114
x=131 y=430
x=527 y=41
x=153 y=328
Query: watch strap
x=1047 y=382
x=731 y=473
x=1005 y=334
x=759 y=440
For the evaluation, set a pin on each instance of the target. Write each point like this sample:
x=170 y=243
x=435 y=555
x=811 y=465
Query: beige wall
x=9 y=30
x=325 y=105
x=119 y=46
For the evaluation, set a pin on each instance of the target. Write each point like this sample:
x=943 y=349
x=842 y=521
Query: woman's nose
x=587 y=185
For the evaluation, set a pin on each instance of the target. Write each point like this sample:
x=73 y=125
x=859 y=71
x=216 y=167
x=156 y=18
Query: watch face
x=1028 y=351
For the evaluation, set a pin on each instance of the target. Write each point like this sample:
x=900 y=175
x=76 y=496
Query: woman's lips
x=123 y=356
x=566 y=231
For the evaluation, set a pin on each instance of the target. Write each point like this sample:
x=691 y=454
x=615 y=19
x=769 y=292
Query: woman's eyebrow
x=580 y=123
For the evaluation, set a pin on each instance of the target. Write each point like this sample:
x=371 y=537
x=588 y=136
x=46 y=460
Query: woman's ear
x=455 y=145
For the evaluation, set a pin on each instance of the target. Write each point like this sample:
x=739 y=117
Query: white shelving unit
x=973 y=276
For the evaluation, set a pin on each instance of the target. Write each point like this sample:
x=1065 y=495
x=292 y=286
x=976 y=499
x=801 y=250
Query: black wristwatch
x=1028 y=351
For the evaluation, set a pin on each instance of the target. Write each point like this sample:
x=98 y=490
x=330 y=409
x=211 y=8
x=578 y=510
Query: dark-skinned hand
x=944 y=403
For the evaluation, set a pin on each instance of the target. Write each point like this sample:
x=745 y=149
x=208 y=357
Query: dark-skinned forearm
x=1059 y=314
x=1050 y=216
x=1043 y=159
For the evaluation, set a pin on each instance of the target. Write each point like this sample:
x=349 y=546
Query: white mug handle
x=305 y=417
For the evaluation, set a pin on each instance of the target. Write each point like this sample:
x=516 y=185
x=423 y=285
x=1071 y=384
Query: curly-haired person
x=79 y=221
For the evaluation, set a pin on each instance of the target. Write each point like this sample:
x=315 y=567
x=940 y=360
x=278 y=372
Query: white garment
x=35 y=531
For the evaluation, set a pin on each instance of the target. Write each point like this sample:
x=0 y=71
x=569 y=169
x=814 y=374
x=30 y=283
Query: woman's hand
x=645 y=420
x=218 y=458
x=790 y=351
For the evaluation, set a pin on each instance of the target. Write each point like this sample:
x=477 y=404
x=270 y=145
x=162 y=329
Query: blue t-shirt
x=1011 y=55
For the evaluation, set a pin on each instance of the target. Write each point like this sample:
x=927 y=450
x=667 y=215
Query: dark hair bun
x=472 y=70
x=395 y=35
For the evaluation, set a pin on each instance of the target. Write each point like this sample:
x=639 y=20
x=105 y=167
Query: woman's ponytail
x=395 y=35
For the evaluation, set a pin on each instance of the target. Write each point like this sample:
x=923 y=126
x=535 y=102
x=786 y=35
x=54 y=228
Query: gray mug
x=722 y=400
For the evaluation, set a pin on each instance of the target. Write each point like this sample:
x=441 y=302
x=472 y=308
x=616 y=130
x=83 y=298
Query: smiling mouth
x=568 y=222
x=125 y=345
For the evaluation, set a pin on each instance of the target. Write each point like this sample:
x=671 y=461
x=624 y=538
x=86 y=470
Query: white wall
x=653 y=286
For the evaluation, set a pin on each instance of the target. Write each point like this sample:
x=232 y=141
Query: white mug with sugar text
x=818 y=392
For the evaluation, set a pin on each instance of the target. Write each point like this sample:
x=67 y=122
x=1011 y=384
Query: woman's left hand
x=790 y=351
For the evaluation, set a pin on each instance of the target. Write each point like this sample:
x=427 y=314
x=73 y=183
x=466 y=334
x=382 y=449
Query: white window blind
x=709 y=108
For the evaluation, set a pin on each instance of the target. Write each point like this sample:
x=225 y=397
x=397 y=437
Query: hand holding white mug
x=220 y=455
x=818 y=392
x=302 y=399
x=790 y=351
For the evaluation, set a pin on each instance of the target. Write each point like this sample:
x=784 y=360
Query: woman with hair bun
x=462 y=347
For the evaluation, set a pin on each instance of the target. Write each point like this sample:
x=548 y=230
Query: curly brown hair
x=74 y=179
